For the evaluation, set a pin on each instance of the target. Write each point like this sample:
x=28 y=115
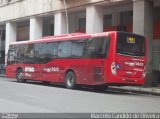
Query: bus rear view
x=129 y=63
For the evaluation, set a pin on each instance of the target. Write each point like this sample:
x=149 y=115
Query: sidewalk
x=2 y=75
x=139 y=89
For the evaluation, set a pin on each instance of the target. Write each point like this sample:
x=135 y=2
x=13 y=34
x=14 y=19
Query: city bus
x=100 y=59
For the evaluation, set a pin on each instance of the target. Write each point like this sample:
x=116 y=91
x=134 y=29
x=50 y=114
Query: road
x=34 y=97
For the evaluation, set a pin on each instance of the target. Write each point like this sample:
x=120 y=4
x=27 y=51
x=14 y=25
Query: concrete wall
x=24 y=8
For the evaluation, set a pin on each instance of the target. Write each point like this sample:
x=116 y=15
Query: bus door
x=11 y=62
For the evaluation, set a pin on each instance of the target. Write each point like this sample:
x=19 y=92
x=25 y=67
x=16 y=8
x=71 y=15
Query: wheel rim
x=70 y=80
x=20 y=76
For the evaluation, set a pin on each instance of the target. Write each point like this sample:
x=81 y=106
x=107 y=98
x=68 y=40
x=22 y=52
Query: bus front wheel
x=70 y=80
x=19 y=76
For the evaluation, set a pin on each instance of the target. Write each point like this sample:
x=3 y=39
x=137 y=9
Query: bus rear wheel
x=70 y=80
x=19 y=76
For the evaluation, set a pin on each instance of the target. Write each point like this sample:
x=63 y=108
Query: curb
x=4 y=76
x=149 y=91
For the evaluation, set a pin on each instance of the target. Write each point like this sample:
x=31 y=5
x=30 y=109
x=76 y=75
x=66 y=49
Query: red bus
x=109 y=58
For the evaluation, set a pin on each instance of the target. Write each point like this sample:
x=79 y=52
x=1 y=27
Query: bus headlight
x=113 y=68
x=144 y=72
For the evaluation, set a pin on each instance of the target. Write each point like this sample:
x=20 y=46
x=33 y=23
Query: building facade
x=32 y=19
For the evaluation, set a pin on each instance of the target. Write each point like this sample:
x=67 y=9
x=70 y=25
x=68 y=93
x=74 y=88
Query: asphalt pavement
x=34 y=97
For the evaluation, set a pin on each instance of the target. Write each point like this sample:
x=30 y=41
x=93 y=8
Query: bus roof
x=63 y=37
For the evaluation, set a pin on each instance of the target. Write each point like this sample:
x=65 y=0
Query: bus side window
x=11 y=56
x=65 y=49
x=39 y=53
x=97 y=47
x=51 y=51
x=29 y=53
x=78 y=48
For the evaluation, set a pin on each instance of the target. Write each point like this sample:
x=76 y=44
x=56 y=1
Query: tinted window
x=78 y=48
x=97 y=47
x=39 y=53
x=20 y=51
x=51 y=51
x=29 y=53
x=130 y=44
x=65 y=49
x=11 y=56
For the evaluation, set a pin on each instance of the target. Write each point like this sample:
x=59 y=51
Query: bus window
x=11 y=56
x=131 y=45
x=21 y=50
x=39 y=53
x=97 y=47
x=51 y=51
x=29 y=54
x=65 y=49
x=78 y=48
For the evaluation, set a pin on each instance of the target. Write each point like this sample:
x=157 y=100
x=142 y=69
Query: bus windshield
x=131 y=44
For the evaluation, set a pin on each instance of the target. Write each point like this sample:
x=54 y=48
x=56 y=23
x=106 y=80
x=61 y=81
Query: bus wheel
x=70 y=80
x=19 y=76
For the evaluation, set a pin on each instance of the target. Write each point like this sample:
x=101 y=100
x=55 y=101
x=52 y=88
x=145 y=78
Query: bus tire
x=70 y=80
x=19 y=76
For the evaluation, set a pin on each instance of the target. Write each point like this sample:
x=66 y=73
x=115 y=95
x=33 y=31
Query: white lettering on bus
x=51 y=69
x=47 y=69
x=132 y=64
x=139 y=64
x=99 y=34
x=29 y=69
x=55 y=69
x=137 y=69
x=28 y=75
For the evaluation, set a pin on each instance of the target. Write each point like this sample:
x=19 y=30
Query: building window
x=82 y=25
x=156 y=13
x=126 y=18
x=2 y=35
x=23 y=31
x=48 y=26
x=126 y=21
x=156 y=24
x=107 y=23
x=107 y=20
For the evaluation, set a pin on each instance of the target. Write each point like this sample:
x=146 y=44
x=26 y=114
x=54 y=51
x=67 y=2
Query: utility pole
x=66 y=12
